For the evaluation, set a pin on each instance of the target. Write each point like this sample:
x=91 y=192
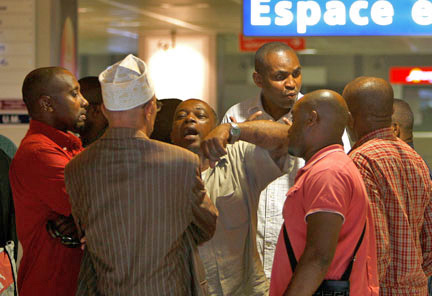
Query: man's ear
x=148 y=110
x=313 y=118
x=350 y=123
x=258 y=79
x=396 y=129
x=45 y=103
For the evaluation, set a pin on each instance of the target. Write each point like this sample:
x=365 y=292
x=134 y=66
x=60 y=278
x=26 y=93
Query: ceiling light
x=122 y=33
x=84 y=9
x=308 y=51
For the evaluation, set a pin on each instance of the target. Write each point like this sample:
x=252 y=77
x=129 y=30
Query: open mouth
x=190 y=133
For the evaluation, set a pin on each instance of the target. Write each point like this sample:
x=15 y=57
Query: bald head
x=403 y=120
x=319 y=120
x=38 y=83
x=271 y=47
x=370 y=101
x=330 y=107
x=371 y=98
x=403 y=114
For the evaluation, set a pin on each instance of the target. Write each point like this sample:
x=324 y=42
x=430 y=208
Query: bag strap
x=346 y=275
x=290 y=251
x=347 y=272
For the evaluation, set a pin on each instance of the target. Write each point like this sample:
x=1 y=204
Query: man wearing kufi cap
x=140 y=202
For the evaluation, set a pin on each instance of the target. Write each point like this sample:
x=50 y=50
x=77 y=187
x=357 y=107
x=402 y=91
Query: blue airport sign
x=337 y=18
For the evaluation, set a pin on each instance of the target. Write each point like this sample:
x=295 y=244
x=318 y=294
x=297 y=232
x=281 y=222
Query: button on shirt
x=329 y=182
x=37 y=180
x=399 y=188
x=273 y=197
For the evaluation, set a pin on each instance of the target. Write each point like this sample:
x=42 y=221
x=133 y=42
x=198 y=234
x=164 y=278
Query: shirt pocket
x=233 y=211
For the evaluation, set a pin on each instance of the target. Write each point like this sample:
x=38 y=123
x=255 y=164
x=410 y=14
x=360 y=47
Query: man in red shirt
x=56 y=106
x=398 y=186
x=326 y=211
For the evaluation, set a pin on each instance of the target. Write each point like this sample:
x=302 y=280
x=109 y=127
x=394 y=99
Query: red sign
x=411 y=75
x=253 y=43
x=12 y=104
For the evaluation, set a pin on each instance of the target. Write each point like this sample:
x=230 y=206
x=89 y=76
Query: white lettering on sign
x=417 y=75
x=308 y=14
x=382 y=13
x=421 y=12
x=256 y=10
x=335 y=14
x=284 y=15
x=354 y=13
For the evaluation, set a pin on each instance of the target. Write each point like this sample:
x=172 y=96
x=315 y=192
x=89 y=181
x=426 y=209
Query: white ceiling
x=114 y=26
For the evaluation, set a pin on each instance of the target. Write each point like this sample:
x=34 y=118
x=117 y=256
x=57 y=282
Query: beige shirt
x=231 y=259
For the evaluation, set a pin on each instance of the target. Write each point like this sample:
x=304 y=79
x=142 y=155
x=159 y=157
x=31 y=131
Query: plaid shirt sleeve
x=378 y=213
x=426 y=240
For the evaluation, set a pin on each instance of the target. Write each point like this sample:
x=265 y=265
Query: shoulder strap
x=346 y=275
x=290 y=251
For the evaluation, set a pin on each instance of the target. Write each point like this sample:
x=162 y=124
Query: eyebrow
x=195 y=109
x=287 y=72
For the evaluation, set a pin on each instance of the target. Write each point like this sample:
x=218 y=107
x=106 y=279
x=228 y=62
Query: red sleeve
x=46 y=177
x=326 y=192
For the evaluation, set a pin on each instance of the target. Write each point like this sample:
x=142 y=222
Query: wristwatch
x=234 y=133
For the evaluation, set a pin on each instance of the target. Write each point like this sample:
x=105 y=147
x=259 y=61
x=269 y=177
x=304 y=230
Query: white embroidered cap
x=126 y=85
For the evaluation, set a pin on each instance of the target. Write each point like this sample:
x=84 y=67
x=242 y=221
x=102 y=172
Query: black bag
x=328 y=287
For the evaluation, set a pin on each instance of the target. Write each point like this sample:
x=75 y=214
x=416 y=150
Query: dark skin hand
x=250 y=118
x=66 y=226
x=264 y=133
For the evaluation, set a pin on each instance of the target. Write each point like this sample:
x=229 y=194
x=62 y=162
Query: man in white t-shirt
x=278 y=74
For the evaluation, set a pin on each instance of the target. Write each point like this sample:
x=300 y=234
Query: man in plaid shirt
x=399 y=188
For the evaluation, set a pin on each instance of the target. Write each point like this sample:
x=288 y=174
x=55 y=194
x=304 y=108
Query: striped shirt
x=399 y=188
x=134 y=198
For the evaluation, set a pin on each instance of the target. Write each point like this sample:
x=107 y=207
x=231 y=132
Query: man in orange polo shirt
x=327 y=218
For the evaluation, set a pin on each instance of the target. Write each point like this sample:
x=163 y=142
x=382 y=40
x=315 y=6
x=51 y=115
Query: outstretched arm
x=264 y=133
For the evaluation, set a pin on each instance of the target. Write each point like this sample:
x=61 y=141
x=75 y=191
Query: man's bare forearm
x=322 y=236
x=310 y=272
x=266 y=134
